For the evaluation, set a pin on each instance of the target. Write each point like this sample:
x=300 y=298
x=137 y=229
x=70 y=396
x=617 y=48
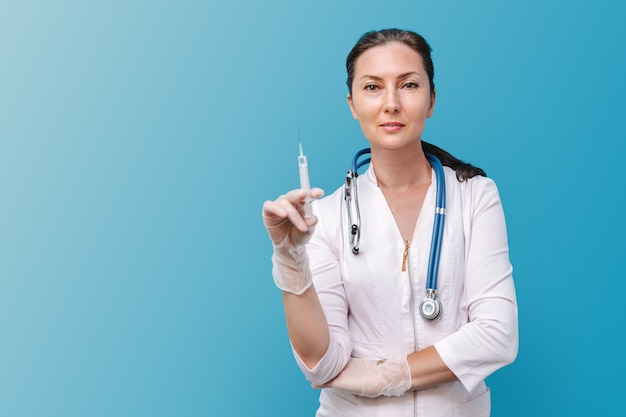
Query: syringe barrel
x=304 y=175
x=304 y=184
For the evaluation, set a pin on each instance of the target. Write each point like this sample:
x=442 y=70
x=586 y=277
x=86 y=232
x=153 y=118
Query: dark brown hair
x=418 y=44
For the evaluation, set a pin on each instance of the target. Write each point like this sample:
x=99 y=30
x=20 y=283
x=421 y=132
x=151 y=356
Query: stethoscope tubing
x=439 y=221
x=438 y=225
x=356 y=164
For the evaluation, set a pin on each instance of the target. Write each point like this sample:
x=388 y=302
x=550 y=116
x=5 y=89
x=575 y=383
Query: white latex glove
x=370 y=378
x=289 y=231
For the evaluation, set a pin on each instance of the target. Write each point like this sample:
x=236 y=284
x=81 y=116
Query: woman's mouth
x=391 y=126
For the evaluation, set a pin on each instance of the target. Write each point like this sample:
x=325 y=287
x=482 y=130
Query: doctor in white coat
x=353 y=320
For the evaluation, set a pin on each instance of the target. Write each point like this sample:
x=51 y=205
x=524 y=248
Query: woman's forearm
x=428 y=369
x=306 y=325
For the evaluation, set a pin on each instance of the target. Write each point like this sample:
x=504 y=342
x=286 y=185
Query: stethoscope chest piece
x=430 y=307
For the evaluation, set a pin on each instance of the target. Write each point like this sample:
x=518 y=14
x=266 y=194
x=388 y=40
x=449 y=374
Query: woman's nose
x=392 y=104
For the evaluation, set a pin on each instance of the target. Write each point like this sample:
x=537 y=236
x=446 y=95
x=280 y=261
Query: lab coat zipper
x=405 y=267
x=405 y=255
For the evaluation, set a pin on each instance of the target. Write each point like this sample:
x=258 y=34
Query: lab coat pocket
x=477 y=407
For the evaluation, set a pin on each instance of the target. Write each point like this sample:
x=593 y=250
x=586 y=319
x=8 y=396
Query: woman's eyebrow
x=406 y=74
x=403 y=75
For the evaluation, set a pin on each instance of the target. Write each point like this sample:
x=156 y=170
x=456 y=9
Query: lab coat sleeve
x=489 y=340
x=323 y=254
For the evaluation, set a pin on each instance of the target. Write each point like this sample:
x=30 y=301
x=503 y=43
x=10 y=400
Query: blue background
x=138 y=141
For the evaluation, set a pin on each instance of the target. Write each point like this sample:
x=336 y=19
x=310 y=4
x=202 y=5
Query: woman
x=353 y=320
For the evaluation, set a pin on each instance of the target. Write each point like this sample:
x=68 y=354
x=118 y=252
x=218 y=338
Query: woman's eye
x=371 y=87
x=410 y=85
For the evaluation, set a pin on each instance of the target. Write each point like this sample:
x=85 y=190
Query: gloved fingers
x=316 y=193
x=370 y=378
x=295 y=197
x=285 y=222
x=290 y=207
x=299 y=197
x=291 y=204
x=275 y=212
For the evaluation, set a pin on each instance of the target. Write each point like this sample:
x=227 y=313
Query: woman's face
x=391 y=95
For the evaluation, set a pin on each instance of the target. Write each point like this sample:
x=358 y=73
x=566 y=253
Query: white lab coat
x=371 y=304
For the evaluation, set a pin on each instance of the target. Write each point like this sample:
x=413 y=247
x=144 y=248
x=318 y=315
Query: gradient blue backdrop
x=138 y=141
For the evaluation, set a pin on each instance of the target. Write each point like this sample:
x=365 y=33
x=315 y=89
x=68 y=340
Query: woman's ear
x=431 y=109
x=351 y=104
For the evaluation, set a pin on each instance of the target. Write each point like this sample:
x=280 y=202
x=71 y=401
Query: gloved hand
x=370 y=378
x=289 y=231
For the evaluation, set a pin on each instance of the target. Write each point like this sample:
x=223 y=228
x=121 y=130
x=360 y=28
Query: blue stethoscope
x=430 y=306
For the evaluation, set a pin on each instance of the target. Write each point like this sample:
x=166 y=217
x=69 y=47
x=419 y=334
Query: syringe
x=304 y=182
